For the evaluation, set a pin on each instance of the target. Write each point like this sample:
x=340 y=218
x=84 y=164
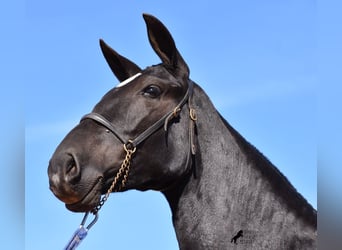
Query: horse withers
x=158 y=130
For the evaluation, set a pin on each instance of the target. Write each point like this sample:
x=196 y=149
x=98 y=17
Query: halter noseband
x=133 y=143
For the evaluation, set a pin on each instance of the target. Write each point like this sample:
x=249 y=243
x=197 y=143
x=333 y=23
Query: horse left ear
x=165 y=47
x=120 y=66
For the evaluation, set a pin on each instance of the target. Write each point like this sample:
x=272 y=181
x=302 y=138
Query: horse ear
x=121 y=66
x=165 y=47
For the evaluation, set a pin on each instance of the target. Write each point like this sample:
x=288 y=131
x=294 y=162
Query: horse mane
x=280 y=184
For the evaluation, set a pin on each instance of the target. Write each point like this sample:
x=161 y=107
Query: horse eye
x=152 y=91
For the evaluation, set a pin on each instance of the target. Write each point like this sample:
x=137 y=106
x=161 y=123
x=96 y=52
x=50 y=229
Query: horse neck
x=228 y=191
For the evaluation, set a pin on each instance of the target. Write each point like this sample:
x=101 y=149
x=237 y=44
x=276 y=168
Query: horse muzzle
x=65 y=180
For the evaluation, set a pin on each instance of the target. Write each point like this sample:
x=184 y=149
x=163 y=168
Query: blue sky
x=255 y=59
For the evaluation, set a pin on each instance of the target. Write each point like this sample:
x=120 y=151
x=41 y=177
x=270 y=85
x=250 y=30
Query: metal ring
x=129 y=146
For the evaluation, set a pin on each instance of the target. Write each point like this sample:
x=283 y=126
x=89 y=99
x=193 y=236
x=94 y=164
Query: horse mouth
x=90 y=200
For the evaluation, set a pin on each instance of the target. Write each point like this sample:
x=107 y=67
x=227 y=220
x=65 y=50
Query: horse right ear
x=165 y=47
x=120 y=66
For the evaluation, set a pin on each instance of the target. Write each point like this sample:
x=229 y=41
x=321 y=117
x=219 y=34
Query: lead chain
x=121 y=174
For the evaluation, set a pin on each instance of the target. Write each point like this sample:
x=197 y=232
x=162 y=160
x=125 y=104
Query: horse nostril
x=71 y=167
x=72 y=170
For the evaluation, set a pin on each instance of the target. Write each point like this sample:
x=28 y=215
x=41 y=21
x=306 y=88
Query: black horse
x=176 y=142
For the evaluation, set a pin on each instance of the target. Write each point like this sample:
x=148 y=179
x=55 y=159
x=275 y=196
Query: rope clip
x=81 y=232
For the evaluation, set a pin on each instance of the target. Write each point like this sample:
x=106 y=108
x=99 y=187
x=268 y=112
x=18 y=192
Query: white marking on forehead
x=128 y=80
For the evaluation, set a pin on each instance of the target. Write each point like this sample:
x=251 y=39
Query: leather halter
x=133 y=143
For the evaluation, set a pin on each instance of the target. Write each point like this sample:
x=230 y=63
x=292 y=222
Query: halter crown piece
x=130 y=145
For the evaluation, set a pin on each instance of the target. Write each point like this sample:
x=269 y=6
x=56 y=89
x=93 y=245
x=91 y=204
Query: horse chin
x=89 y=201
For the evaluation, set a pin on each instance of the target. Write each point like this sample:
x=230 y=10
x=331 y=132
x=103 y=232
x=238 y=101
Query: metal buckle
x=193 y=114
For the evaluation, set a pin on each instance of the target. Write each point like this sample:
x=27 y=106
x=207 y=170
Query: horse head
x=144 y=113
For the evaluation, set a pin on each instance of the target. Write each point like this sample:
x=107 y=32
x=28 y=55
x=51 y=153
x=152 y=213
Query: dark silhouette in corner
x=238 y=235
